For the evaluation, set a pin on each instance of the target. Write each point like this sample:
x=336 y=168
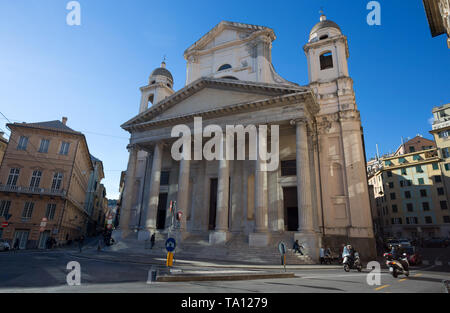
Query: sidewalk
x=145 y=259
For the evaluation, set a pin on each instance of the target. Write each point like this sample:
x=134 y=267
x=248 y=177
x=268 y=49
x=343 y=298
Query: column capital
x=131 y=147
x=299 y=121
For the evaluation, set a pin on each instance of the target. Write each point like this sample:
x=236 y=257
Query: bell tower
x=159 y=87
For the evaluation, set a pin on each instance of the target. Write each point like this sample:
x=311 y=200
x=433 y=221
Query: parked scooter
x=398 y=266
x=352 y=263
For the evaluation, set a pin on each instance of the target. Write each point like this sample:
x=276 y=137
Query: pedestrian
x=297 y=247
x=80 y=243
x=152 y=241
x=16 y=244
x=322 y=255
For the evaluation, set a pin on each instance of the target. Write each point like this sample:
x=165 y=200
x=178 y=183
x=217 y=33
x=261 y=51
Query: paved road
x=46 y=272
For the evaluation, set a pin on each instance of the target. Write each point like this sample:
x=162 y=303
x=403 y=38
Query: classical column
x=130 y=179
x=183 y=191
x=261 y=217
x=155 y=181
x=304 y=192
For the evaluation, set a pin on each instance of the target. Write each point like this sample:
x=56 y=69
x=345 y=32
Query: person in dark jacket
x=297 y=247
x=152 y=241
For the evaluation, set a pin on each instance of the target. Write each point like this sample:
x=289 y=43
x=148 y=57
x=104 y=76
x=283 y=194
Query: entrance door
x=212 y=204
x=290 y=208
x=162 y=211
x=22 y=235
x=43 y=239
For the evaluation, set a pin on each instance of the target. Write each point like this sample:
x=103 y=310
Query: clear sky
x=92 y=73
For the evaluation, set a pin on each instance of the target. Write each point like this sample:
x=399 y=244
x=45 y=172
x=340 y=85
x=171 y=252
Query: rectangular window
x=412 y=149
x=57 y=181
x=419 y=169
x=410 y=207
x=402 y=160
x=326 y=61
x=13 y=177
x=445 y=153
x=64 y=148
x=421 y=181
x=412 y=220
x=446 y=219
x=435 y=166
x=289 y=168
x=28 y=210
x=389 y=173
x=23 y=142
x=404 y=171
x=43 y=148
x=393 y=196
x=437 y=179
x=447 y=166
x=165 y=175
x=391 y=185
x=394 y=208
x=423 y=193
x=50 y=212
x=428 y=220
x=4 y=208
x=426 y=206
x=408 y=194
x=444 y=205
x=35 y=179
x=440 y=191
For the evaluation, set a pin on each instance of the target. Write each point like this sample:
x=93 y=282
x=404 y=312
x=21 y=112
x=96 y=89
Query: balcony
x=33 y=191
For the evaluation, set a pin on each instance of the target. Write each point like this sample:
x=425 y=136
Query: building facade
x=44 y=174
x=441 y=132
x=3 y=145
x=409 y=196
x=438 y=15
x=95 y=198
x=317 y=194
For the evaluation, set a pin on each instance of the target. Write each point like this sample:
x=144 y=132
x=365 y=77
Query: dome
x=162 y=71
x=324 y=23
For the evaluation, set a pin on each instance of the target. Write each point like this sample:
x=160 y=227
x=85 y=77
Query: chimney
x=64 y=120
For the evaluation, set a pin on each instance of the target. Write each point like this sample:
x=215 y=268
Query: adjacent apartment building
x=43 y=183
x=3 y=145
x=409 y=198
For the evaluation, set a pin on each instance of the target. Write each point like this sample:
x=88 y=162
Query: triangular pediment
x=208 y=94
x=226 y=32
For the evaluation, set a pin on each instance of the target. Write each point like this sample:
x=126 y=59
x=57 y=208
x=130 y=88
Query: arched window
x=326 y=60
x=150 y=100
x=224 y=67
x=323 y=37
x=229 y=77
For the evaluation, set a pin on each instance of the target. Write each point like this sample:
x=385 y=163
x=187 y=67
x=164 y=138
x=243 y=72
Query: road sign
x=170 y=245
x=109 y=226
x=5 y=224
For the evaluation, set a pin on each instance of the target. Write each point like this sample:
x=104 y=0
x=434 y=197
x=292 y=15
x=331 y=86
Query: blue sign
x=170 y=245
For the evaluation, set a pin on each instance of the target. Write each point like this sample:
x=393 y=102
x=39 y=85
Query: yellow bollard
x=169 y=261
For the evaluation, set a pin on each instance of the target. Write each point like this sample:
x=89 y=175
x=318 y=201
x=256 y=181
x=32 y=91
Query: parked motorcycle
x=398 y=266
x=352 y=263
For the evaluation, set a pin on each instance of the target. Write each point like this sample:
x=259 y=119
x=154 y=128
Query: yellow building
x=409 y=196
x=44 y=174
x=3 y=145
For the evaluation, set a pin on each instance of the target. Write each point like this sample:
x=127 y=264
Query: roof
x=50 y=125
x=324 y=24
x=94 y=159
x=163 y=72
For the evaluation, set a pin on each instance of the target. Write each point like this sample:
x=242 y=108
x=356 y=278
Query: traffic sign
x=109 y=226
x=170 y=245
x=5 y=224
x=282 y=247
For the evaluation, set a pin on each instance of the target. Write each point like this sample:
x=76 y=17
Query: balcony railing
x=33 y=190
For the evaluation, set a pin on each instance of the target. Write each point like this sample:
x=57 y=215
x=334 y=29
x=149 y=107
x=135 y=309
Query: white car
x=4 y=245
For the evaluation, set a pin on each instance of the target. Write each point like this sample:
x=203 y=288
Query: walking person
x=16 y=244
x=152 y=241
x=297 y=247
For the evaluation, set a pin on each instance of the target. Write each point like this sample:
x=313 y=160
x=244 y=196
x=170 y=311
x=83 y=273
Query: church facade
x=318 y=191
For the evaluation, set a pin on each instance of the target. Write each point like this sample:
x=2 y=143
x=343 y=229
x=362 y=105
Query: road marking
x=417 y=275
x=402 y=279
x=379 y=288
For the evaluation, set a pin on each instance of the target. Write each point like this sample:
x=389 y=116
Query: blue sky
x=92 y=73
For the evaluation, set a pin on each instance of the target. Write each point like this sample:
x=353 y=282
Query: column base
x=258 y=239
x=218 y=237
x=310 y=243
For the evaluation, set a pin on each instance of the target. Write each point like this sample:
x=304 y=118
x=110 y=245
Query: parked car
x=404 y=243
x=4 y=245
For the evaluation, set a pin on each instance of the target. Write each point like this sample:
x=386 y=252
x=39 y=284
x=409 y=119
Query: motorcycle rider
x=398 y=256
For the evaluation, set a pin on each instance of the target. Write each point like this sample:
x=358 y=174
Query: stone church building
x=319 y=192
